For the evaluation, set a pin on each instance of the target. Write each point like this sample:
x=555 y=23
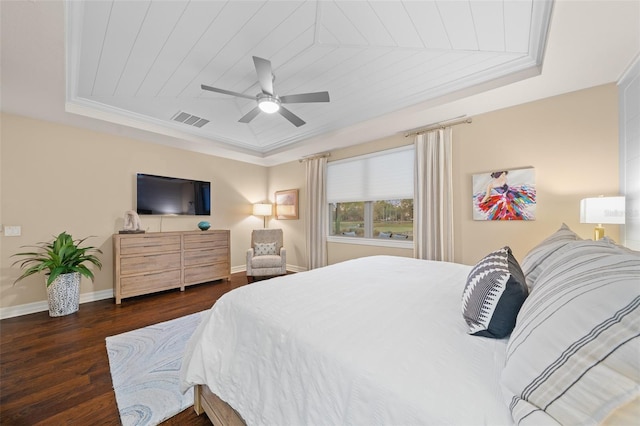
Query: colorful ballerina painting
x=499 y=199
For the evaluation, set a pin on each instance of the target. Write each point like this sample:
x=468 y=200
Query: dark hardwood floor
x=55 y=371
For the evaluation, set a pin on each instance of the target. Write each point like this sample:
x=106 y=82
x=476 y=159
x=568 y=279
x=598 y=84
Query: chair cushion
x=266 y=261
x=264 y=249
x=269 y=235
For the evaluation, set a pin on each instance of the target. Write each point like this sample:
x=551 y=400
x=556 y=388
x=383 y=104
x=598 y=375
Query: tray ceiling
x=141 y=63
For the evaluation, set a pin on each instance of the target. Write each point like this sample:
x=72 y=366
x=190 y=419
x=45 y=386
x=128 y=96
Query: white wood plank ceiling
x=141 y=63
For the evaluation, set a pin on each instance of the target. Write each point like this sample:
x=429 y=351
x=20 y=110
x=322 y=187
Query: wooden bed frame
x=219 y=412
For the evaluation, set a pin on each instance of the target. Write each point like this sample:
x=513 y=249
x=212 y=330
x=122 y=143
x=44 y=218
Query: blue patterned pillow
x=493 y=295
x=264 y=249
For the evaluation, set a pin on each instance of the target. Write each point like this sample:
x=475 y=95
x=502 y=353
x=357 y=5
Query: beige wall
x=572 y=142
x=339 y=252
x=283 y=177
x=58 y=178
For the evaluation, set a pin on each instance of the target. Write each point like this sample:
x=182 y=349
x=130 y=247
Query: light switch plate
x=12 y=231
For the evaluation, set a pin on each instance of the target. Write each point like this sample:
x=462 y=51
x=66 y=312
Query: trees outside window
x=392 y=219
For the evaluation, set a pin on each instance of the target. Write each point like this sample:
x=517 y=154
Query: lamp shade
x=262 y=209
x=602 y=210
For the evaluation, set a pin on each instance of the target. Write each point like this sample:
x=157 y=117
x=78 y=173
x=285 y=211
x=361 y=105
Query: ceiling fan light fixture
x=268 y=101
x=268 y=104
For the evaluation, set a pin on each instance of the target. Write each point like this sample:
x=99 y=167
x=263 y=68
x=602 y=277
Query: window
x=371 y=197
x=347 y=219
x=391 y=219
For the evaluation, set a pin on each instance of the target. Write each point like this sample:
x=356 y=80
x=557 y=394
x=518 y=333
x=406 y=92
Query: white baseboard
x=97 y=295
x=43 y=306
x=292 y=268
x=236 y=269
x=295 y=268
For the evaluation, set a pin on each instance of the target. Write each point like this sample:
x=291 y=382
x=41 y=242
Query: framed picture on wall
x=287 y=204
x=505 y=195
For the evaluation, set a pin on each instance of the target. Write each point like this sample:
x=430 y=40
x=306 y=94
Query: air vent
x=191 y=120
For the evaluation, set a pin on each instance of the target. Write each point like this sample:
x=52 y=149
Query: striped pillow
x=573 y=355
x=536 y=260
x=493 y=295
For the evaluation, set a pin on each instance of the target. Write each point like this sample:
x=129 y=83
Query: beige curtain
x=316 y=212
x=433 y=196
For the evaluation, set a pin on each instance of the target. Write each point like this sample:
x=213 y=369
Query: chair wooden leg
x=249 y=279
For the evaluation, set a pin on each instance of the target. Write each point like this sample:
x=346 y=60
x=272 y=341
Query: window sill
x=381 y=242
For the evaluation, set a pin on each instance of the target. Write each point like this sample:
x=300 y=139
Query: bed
x=389 y=340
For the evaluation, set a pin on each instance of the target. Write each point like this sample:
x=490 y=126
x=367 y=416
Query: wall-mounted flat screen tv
x=162 y=195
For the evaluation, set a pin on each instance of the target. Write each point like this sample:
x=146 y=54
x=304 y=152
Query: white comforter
x=377 y=340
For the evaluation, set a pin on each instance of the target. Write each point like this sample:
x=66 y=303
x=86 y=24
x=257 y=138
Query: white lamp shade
x=602 y=210
x=262 y=209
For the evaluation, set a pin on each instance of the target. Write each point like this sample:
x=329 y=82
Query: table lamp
x=601 y=210
x=263 y=210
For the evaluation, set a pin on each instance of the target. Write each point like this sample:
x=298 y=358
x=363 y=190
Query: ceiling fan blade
x=265 y=74
x=305 y=97
x=226 y=92
x=250 y=115
x=294 y=119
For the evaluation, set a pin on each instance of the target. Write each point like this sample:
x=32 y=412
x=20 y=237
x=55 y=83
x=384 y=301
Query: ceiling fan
x=267 y=100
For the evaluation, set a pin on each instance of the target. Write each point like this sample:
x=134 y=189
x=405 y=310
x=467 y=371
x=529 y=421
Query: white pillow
x=573 y=354
x=536 y=260
x=264 y=249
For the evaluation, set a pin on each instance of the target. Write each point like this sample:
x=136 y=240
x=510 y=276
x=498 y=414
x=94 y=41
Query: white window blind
x=385 y=175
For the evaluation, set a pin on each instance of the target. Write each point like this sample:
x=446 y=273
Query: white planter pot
x=64 y=295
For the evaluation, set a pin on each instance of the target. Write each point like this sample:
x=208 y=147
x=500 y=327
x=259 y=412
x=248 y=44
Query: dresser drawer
x=149 y=263
x=145 y=244
x=202 y=257
x=205 y=240
x=201 y=274
x=149 y=283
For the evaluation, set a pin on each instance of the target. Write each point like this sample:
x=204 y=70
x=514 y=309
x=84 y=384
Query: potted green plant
x=63 y=261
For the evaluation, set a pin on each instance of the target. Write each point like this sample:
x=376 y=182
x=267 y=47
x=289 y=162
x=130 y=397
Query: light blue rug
x=145 y=368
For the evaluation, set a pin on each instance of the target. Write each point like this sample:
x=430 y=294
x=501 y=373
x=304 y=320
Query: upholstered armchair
x=266 y=257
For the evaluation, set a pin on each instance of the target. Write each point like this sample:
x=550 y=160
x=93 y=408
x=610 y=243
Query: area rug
x=145 y=368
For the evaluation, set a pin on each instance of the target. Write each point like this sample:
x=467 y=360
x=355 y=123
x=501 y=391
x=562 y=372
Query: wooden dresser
x=157 y=261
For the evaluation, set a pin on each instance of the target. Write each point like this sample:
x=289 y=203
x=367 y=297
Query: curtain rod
x=439 y=125
x=314 y=156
